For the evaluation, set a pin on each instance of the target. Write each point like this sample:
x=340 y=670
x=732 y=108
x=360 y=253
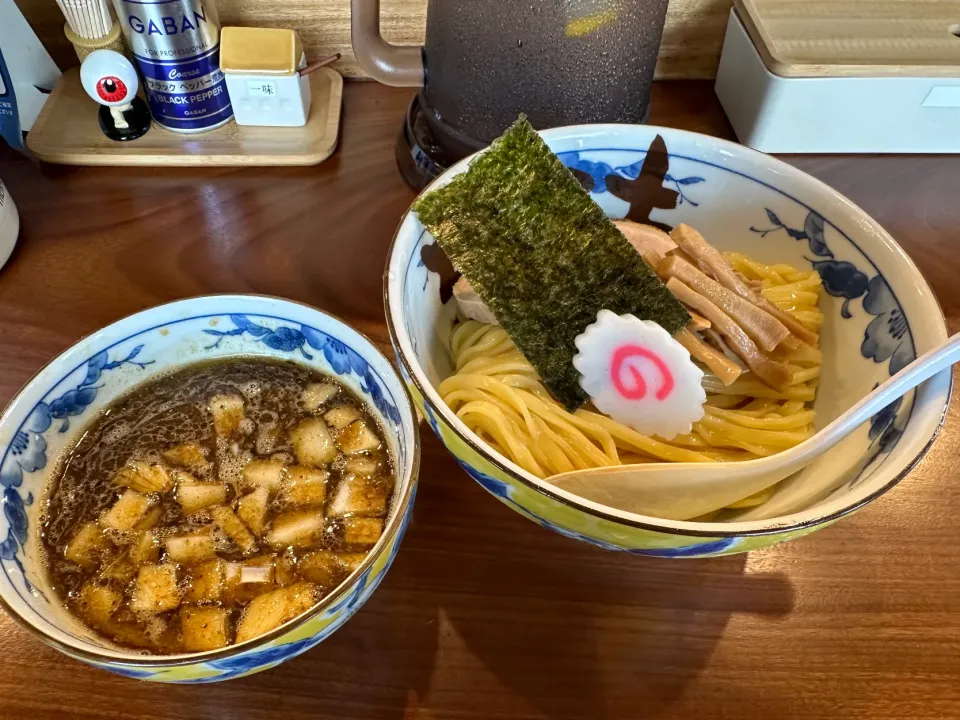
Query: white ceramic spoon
x=681 y=491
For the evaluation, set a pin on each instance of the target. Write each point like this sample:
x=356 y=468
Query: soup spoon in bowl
x=681 y=491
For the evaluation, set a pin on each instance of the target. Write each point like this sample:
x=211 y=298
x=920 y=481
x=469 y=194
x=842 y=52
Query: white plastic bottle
x=9 y=224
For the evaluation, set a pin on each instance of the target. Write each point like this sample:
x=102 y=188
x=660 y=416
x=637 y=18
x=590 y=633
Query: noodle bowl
x=740 y=190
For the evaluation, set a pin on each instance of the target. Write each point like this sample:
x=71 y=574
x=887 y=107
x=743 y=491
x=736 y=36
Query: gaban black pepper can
x=176 y=45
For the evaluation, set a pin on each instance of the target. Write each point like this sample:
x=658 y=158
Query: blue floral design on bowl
x=342 y=359
x=879 y=313
x=48 y=415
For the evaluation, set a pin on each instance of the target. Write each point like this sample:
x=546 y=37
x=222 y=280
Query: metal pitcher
x=561 y=62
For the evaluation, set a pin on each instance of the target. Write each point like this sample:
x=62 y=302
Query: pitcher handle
x=390 y=64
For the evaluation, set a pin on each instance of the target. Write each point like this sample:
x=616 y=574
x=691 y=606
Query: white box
x=274 y=100
x=261 y=66
x=833 y=114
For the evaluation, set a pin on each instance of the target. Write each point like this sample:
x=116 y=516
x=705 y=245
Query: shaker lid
x=264 y=51
x=855 y=38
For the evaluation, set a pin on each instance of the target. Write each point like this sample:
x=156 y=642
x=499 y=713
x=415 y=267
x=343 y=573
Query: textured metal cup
x=561 y=62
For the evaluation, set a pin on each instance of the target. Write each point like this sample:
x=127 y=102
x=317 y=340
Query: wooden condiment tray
x=67 y=132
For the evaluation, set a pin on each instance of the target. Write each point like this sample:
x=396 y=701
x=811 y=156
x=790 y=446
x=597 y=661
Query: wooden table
x=484 y=615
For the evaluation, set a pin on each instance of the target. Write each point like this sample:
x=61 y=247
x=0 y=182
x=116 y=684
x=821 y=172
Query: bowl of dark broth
x=205 y=489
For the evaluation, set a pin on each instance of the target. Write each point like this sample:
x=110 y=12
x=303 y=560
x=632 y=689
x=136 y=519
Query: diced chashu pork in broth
x=156 y=589
x=271 y=610
x=144 y=478
x=227 y=410
x=204 y=628
x=195 y=495
x=132 y=511
x=316 y=395
x=311 y=515
x=252 y=509
x=297 y=528
x=230 y=525
x=312 y=442
x=362 y=532
x=88 y=546
x=265 y=474
x=145 y=548
x=361 y=496
x=192 y=547
x=304 y=486
x=188 y=455
x=120 y=569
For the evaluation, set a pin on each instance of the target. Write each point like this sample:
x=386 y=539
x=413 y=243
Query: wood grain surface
x=67 y=131
x=690 y=49
x=484 y=615
x=841 y=38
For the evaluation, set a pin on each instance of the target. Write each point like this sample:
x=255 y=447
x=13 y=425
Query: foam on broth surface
x=211 y=505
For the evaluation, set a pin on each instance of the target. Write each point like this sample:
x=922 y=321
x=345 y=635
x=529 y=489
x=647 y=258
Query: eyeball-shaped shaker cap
x=109 y=78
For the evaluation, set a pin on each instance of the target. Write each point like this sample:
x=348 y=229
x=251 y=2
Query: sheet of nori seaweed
x=541 y=254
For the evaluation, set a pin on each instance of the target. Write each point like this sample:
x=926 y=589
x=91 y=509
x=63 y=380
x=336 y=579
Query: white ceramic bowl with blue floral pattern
x=880 y=313
x=48 y=415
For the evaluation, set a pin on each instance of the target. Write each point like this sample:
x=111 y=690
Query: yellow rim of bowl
x=503 y=465
x=393 y=527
